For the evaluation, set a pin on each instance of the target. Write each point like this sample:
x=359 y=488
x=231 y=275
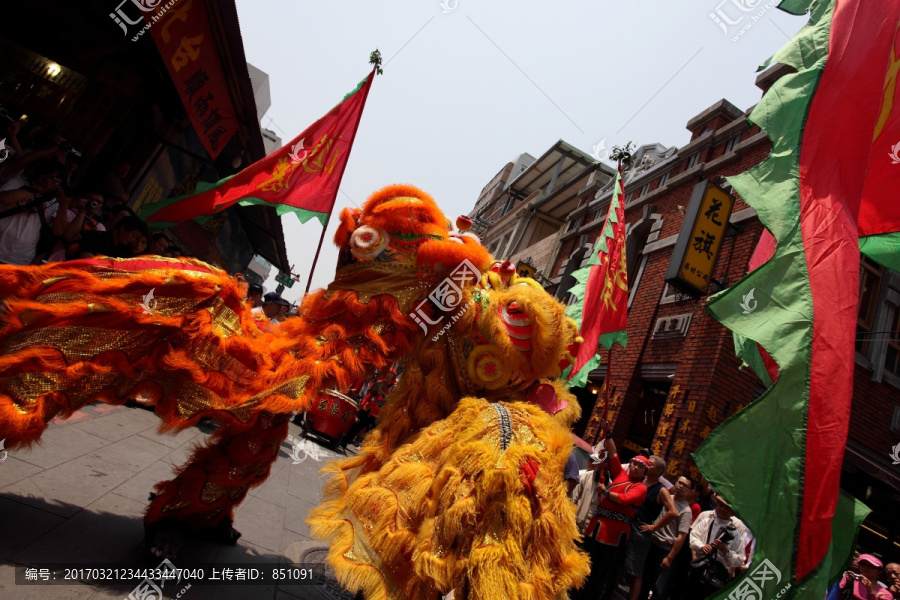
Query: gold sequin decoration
x=370 y=279
x=174 y=506
x=362 y=553
x=194 y=399
x=239 y=472
x=211 y=356
x=82 y=343
x=165 y=306
x=212 y=492
x=26 y=388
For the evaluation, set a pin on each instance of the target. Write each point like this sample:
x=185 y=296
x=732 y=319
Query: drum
x=332 y=415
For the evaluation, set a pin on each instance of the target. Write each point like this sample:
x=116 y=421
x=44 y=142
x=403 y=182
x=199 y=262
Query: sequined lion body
x=460 y=485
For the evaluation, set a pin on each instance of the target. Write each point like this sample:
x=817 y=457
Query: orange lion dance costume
x=458 y=488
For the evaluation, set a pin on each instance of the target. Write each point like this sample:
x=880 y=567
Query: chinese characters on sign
x=700 y=239
x=188 y=49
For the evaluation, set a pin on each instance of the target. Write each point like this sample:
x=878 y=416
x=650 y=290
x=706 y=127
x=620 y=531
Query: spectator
x=116 y=214
x=12 y=149
x=370 y=407
x=272 y=308
x=81 y=216
x=129 y=238
x=570 y=474
x=158 y=244
x=20 y=158
x=112 y=185
x=281 y=305
x=254 y=295
x=864 y=585
x=648 y=519
x=717 y=544
x=585 y=493
x=668 y=540
x=607 y=531
x=892 y=574
x=29 y=205
x=681 y=567
x=706 y=497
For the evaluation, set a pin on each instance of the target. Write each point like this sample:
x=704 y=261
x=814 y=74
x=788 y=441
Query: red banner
x=186 y=44
x=303 y=176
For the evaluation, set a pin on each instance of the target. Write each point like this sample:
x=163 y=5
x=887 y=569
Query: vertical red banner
x=185 y=42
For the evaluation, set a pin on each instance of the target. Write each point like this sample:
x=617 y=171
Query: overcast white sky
x=466 y=91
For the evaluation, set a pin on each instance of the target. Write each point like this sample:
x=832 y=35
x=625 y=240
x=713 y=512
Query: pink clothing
x=861 y=593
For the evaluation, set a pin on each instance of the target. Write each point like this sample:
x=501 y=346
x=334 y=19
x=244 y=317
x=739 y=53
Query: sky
x=467 y=87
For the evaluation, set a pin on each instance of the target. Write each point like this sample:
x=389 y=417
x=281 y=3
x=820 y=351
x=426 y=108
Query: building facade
x=678 y=377
x=521 y=221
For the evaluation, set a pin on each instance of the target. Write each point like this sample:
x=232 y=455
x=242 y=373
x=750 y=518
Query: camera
x=728 y=534
x=67 y=147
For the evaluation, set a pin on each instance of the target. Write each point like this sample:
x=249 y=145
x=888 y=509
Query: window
x=628 y=197
x=645 y=189
x=638 y=236
x=694 y=160
x=892 y=353
x=870 y=274
x=732 y=143
x=663 y=179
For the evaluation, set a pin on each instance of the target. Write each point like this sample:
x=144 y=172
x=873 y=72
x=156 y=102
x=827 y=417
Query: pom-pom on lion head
x=401 y=244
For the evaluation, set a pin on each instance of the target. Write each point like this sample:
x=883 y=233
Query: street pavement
x=79 y=497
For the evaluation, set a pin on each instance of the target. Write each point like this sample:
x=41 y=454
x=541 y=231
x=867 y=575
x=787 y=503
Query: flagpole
x=316 y=259
x=375 y=61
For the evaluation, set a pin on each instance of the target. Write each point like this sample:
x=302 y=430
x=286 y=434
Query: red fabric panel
x=880 y=211
x=833 y=162
x=308 y=179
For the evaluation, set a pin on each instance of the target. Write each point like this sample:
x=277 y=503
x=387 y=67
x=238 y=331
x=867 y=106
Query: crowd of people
x=675 y=541
x=49 y=214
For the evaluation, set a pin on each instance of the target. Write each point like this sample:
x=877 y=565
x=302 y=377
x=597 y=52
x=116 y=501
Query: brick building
x=678 y=378
x=522 y=211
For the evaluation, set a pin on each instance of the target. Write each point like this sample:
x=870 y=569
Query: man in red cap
x=607 y=532
x=865 y=586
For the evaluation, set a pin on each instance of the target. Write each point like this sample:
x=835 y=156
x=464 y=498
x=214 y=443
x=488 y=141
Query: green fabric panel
x=283 y=209
x=763 y=481
x=848 y=517
x=748 y=352
x=148 y=210
x=883 y=249
x=581 y=377
x=614 y=337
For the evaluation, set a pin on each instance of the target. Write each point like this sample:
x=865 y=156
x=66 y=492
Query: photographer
x=864 y=585
x=717 y=544
x=32 y=210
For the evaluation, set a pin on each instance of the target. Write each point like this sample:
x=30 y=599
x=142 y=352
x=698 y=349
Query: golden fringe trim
x=450 y=510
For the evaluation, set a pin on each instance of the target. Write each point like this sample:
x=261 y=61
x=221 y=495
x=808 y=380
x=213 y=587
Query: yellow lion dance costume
x=460 y=486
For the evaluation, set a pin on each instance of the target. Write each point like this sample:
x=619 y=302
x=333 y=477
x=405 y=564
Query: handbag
x=708 y=571
x=711 y=572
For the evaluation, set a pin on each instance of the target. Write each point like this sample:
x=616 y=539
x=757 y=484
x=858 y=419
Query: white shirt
x=584 y=495
x=700 y=532
x=19 y=233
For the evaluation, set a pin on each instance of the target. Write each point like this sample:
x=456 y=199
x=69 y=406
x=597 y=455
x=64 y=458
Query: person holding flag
x=606 y=534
